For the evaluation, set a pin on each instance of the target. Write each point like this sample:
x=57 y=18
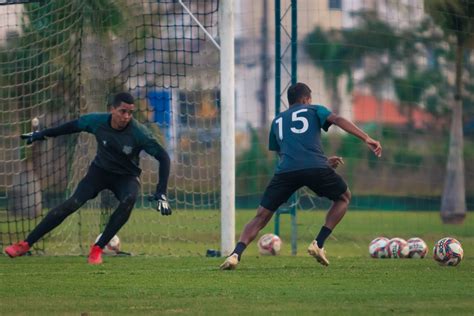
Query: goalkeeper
x=120 y=139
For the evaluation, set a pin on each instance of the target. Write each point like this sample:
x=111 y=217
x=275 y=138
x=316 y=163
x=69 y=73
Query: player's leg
x=333 y=217
x=255 y=225
x=248 y=234
x=126 y=189
x=87 y=189
x=336 y=212
x=280 y=188
x=326 y=182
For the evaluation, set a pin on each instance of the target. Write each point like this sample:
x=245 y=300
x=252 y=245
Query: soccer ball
x=378 y=247
x=397 y=248
x=113 y=247
x=448 y=252
x=417 y=248
x=269 y=244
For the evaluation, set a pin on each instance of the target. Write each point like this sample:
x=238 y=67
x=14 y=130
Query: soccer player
x=296 y=136
x=120 y=139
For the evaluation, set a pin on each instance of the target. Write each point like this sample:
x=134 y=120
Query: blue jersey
x=296 y=135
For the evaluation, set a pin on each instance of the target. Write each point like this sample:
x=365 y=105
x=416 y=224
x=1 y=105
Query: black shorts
x=98 y=179
x=322 y=181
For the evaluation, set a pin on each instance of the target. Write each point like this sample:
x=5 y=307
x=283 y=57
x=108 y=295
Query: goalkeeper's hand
x=32 y=137
x=162 y=204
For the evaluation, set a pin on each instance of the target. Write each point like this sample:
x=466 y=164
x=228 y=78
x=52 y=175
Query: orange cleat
x=95 y=255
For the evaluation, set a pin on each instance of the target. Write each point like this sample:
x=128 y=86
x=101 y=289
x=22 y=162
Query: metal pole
x=277 y=81
x=294 y=76
x=226 y=23
x=199 y=24
x=294 y=41
x=277 y=56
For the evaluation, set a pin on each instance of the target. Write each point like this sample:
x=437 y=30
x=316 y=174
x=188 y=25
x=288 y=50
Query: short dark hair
x=298 y=91
x=122 y=97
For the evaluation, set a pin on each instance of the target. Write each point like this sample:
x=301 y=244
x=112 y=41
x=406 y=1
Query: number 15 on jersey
x=296 y=120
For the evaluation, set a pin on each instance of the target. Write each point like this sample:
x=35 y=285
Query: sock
x=239 y=248
x=322 y=236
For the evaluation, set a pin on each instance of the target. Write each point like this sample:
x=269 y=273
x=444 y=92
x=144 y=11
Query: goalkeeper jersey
x=117 y=150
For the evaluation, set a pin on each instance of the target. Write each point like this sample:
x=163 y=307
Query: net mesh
x=89 y=52
x=38 y=75
x=383 y=65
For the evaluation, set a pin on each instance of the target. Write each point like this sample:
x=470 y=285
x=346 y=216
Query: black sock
x=322 y=236
x=239 y=248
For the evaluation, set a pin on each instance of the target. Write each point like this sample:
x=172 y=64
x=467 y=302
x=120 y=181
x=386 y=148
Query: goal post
x=226 y=19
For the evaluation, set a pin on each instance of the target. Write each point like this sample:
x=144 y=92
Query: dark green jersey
x=296 y=135
x=118 y=150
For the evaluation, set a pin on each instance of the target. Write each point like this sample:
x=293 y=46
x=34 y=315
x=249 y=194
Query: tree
x=443 y=40
x=456 y=19
x=377 y=44
x=337 y=52
x=411 y=89
x=328 y=52
x=39 y=67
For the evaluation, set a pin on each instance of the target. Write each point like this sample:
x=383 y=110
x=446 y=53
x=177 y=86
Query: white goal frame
x=227 y=101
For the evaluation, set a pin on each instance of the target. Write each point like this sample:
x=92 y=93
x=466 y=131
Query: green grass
x=353 y=284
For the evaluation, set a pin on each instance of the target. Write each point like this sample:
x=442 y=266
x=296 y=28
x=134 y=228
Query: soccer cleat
x=95 y=255
x=230 y=262
x=18 y=249
x=318 y=253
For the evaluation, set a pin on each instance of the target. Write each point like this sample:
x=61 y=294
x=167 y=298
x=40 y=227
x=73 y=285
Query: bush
x=407 y=158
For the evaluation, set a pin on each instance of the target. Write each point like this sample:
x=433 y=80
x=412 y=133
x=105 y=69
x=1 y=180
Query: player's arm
x=165 y=165
x=64 y=129
x=335 y=161
x=156 y=150
x=351 y=128
x=272 y=141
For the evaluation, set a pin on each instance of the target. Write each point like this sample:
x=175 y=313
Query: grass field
x=353 y=284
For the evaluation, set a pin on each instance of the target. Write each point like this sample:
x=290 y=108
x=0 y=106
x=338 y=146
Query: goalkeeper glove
x=32 y=137
x=162 y=205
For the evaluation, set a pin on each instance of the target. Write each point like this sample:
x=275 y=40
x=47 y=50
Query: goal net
x=385 y=66
x=61 y=59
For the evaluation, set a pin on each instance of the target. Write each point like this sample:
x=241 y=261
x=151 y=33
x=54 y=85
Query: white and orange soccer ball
x=113 y=247
x=378 y=247
x=397 y=248
x=417 y=248
x=269 y=245
x=448 y=252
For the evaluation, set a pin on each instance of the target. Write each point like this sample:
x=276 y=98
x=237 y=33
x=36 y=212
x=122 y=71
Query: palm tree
x=455 y=17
